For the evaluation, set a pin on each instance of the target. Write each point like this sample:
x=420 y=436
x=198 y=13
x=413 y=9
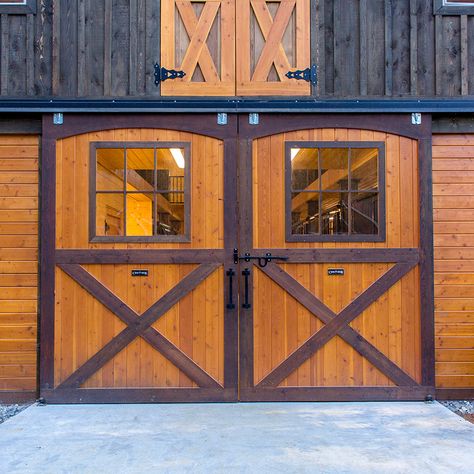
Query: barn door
x=330 y=265
x=141 y=265
x=273 y=38
x=198 y=38
x=229 y=47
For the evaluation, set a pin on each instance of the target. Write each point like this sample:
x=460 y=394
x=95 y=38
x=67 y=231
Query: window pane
x=334 y=168
x=110 y=166
x=364 y=168
x=170 y=169
x=305 y=213
x=365 y=213
x=109 y=214
x=140 y=169
x=334 y=213
x=170 y=213
x=304 y=168
x=140 y=214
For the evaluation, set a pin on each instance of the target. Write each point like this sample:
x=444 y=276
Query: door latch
x=162 y=74
x=309 y=75
x=262 y=261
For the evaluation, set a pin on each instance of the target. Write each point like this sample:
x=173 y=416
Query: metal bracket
x=222 y=118
x=309 y=75
x=162 y=74
x=416 y=119
x=58 y=118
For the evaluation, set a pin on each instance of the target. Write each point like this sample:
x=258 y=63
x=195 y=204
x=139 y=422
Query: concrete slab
x=238 y=438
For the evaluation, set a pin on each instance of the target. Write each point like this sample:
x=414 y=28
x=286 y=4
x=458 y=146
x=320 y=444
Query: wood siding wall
x=18 y=262
x=453 y=189
x=107 y=48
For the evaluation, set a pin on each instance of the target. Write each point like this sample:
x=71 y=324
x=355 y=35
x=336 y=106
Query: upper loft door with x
x=229 y=47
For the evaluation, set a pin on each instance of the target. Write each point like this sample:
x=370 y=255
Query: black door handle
x=230 y=305
x=246 y=274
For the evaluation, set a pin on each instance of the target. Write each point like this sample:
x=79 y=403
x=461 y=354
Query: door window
x=335 y=191
x=140 y=191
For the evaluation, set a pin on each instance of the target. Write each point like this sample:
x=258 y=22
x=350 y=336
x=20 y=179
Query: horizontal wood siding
x=18 y=261
x=364 y=48
x=453 y=200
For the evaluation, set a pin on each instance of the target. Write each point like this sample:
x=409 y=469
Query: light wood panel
x=453 y=199
x=273 y=38
x=195 y=325
x=199 y=39
x=18 y=261
x=282 y=324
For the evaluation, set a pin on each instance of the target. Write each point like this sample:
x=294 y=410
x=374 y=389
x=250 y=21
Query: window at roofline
x=453 y=7
x=18 y=6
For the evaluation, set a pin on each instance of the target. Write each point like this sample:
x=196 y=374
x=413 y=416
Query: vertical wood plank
x=413 y=47
x=30 y=55
x=363 y=59
x=388 y=48
x=4 y=54
x=464 y=57
x=133 y=54
x=108 y=48
x=153 y=42
x=438 y=54
x=82 y=71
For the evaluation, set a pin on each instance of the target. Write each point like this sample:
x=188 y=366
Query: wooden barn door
x=229 y=47
x=136 y=311
x=330 y=265
x=198 y=38
x=273 y=38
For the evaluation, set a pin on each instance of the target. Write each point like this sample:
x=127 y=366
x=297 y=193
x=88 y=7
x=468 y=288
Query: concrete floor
x=238 y=438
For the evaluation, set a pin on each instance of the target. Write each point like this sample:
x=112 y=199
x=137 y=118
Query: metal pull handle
x=246 y=274
x=230 y=305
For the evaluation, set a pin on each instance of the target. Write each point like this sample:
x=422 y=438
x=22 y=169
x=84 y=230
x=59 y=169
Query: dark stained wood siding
x=364 y=48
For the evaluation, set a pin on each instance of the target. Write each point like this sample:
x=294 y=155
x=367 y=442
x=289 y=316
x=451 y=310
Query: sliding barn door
x=333 y=308
x=141 y=275
x=198 y=38
x=273 y=38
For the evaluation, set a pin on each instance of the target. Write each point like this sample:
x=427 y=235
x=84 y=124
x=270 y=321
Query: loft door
x=229 y=47
x=331 y=302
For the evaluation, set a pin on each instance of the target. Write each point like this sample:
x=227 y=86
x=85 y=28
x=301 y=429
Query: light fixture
x=178 y=157
x=294 y=152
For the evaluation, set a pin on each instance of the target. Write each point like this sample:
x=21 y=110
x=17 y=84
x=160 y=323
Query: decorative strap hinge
x=309 y=75
x=162 y=74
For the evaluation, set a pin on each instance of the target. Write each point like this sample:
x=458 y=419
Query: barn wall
x=107 y=48
x=18 y=263
x=453 y=189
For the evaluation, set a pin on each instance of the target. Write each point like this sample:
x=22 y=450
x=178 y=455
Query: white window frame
x=449 y=7
x=25 y=7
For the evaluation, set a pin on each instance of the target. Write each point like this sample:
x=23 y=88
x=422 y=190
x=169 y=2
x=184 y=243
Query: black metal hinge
x=162 y=74
x=309 y=75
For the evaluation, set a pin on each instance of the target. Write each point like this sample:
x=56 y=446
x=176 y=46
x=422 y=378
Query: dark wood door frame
x=338 y=324
x=70 y=262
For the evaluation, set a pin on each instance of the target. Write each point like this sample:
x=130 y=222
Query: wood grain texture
x=454 y=259
x=18 y=262
x=184 y=345
x=283 y=324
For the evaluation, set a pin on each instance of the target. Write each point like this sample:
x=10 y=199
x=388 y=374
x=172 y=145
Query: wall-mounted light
x=178 y=157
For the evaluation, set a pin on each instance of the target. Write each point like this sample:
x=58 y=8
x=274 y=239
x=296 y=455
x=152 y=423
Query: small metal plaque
x=139 y=273
x=336 y=271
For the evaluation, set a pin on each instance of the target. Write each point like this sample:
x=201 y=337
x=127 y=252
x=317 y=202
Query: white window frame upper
x=450 y=7
x=15 y=8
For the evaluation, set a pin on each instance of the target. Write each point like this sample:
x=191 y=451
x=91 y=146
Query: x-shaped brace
x=337 y=324
x=198 y=31
x=272 y=31
x=139 y=326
